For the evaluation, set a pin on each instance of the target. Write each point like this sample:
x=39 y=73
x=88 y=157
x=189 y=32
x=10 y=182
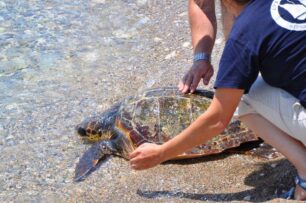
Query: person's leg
x=291 y=148
x=280 y=120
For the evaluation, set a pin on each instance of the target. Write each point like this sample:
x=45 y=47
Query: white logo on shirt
x=289 y=14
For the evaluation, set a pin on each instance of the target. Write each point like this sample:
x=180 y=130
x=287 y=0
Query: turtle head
x=94 y=129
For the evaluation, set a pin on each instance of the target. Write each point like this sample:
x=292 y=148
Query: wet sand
x=92 y=55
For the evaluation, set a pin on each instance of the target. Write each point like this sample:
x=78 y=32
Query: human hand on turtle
x=146 y=156
x=200 y=69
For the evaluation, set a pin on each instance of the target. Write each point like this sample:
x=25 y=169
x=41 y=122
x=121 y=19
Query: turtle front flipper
x=93 y=156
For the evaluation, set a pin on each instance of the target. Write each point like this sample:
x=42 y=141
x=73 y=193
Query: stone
x=247 y=198
x=170 y=55
x=186 y=44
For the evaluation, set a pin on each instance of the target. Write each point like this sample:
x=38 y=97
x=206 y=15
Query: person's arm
x=208 y=125
x=203 y=27
x=202 y=20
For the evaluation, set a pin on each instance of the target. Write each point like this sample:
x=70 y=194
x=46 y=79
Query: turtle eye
x=88 y=131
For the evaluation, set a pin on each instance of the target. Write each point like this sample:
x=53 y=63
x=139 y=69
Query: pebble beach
x=62 y=61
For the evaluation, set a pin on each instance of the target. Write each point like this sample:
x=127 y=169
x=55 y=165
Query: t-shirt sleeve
x=238 y=66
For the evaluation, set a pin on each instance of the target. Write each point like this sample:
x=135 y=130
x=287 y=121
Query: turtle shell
x=157 y=115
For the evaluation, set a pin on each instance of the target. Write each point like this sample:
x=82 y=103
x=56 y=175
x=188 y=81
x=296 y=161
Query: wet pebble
x=157 y=39
x=99 y=1
x=2 y=5
x=170 y=55
x=122 y=34
x=6 y=36
x=41 y=41
x=186 y=44
x=141 y=2
x=247 y=198
x=219 y=41
x=142 y=21
x=9 y=137
x=90 y=56
x=273 y=165
x=10 y=143
x=28 y=32
x=183 y=14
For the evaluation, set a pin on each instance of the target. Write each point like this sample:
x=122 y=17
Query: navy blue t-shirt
x=269 y=36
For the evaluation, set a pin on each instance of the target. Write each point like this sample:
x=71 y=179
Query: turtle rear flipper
x=95 y=154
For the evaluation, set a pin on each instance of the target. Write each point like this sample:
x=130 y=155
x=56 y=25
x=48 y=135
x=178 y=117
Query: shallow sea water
x=74 y=53
x=63 y=60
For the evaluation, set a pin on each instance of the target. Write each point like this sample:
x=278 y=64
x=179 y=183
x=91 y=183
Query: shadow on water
x=267 y=184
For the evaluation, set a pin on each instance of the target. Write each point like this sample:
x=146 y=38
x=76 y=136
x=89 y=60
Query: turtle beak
x=81 y=131
x=88 y=162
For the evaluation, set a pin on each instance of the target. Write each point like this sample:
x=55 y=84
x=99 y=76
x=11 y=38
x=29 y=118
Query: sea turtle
x=155 y=116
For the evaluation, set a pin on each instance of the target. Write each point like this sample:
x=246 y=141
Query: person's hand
x=146 y=156
x=199 y=70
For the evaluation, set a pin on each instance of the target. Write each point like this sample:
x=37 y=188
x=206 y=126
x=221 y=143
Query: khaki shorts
x=277 y=106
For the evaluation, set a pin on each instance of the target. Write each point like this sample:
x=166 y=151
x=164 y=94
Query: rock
x=143 y=21
x=157 y=39
x=273 y=165
x=185 y=13
x=2 y=5
x=186 y=44
x=247 y=198
x=141 y=2
x=98 y=1
x=171 y=55
x=219 y=41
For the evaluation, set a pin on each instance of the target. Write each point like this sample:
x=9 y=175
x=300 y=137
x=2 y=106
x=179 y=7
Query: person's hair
x=242 y=2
